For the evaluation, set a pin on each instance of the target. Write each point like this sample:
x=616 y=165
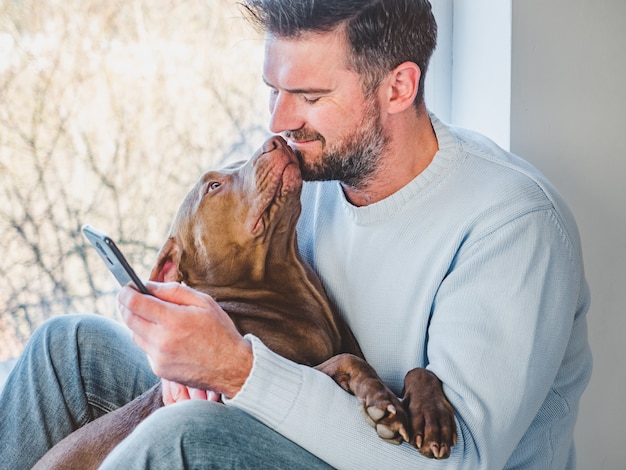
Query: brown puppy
x=234 y=238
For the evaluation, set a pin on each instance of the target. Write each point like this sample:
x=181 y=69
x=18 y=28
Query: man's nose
x=284 y=113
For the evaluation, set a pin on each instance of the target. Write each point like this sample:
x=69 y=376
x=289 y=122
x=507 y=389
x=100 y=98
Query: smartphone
x=113 y=258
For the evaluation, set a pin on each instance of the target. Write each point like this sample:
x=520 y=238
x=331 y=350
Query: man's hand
x=174 y=392
x=187 y=336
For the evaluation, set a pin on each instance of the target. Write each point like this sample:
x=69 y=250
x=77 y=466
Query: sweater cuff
x=271 y=389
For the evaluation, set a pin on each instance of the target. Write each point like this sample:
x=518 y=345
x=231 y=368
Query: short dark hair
x=381 y=34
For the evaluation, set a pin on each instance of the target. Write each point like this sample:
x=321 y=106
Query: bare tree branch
x=109 y=112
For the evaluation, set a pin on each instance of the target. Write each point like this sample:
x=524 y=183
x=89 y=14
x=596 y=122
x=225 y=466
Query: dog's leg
x=380 y=406
x=425 y=418
x=431 y=416
x=88 y=446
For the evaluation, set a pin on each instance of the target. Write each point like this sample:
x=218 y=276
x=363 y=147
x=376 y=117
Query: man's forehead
x=317 y=45
x=302 y=63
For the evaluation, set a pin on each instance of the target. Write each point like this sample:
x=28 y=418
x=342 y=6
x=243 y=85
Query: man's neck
x=412 y=147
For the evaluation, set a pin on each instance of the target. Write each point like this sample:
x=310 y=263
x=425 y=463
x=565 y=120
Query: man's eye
x=311 y=100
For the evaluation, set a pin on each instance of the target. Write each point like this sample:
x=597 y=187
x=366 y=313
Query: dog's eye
x=214 y=185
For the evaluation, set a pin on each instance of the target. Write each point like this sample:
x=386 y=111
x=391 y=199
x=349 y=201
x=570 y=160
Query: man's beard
x=354 y=159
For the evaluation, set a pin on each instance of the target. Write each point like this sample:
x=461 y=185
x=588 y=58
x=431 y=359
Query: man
x=440 y=250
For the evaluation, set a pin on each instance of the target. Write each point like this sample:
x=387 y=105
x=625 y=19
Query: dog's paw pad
x=376 y=413
x=391 y=430
x=388 y=435
x=367 y=416
x=373 y=414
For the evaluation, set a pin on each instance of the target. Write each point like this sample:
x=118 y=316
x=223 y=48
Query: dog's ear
x=168 y=260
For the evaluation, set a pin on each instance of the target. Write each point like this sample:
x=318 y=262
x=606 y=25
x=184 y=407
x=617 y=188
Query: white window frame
x=468 y=83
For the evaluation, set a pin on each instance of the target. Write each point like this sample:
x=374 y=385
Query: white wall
x=568 y=116
x=547 y=78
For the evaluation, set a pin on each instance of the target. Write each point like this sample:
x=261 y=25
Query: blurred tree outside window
x=109 y=112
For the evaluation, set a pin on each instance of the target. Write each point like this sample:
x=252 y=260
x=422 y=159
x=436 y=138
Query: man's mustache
x=303 y=134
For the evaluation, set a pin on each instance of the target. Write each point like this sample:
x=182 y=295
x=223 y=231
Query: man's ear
x=168 y=261
x=402 y=85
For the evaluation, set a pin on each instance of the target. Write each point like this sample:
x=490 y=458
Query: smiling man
x=341 y=130
x=438 y=248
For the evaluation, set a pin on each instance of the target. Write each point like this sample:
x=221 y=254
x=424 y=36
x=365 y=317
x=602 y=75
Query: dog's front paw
x=383 y=410
x=431 y=417
x=380 y=406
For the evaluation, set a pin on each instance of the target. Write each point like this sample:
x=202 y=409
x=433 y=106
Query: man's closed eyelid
x=311 y=99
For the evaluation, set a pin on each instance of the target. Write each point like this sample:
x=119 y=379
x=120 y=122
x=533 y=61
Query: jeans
x=75 y=368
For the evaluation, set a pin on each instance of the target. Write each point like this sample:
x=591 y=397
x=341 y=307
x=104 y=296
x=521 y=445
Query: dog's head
x=233 y=219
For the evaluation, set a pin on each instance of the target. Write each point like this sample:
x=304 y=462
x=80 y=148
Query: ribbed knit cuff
x=271 y=388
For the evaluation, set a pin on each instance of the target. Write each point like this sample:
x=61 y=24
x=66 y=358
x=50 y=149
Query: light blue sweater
x=474 y=270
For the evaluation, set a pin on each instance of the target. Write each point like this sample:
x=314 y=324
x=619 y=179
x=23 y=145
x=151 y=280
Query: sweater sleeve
x=508 y=340
x=309 y=408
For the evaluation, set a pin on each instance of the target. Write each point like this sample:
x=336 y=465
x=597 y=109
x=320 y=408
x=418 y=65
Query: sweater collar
x=445 y=159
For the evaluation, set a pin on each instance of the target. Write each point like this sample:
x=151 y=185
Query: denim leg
x=206 y=435
x=74 y=369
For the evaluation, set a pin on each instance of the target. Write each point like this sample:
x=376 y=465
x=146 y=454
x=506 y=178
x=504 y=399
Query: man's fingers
x=166 y=392
x=179 y=392
x=156 y=308
x=174 y=392
x=139 y=326
x=176 y=293
x=197 y=394
x=131 y=301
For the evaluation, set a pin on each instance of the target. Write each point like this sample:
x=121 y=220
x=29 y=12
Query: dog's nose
x=270 y=145
x=273 y=143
